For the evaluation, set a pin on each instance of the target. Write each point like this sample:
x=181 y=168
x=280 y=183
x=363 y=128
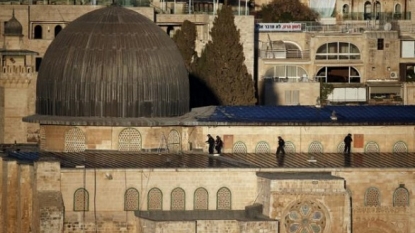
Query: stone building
x=111 y=158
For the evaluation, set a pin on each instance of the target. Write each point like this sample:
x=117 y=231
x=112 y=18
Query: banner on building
x=278 y=27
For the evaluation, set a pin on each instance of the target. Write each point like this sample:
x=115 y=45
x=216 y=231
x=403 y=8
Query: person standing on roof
x=218 y=144
x=211 y=142
x=347 y=143
x=281 y=145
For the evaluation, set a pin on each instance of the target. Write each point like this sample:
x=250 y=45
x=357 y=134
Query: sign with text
x=278 y=27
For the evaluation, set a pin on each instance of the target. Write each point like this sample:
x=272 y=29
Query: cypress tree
x=186 y=42
x=224 y=71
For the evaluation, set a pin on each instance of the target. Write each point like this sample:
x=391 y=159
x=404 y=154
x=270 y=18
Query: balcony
x=284 y=54
x=383 y=16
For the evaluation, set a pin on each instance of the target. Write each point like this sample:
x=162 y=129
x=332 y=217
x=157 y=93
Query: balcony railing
x=284 y=54
x=384 y=16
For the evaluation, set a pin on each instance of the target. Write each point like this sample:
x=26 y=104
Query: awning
x=385 y=90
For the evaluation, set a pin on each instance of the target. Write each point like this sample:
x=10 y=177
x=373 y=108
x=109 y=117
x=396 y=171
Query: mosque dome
x=112 y=62
x=13 y=27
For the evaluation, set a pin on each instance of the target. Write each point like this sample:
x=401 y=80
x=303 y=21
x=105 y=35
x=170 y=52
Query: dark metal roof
x=116 y=159
x=112 y=62
x=311 y=115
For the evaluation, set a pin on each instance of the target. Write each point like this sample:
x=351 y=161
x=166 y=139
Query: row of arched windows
x=155 y=199
x=316 y=147
x=400 y=197
x=38 y=31
x=129 y=139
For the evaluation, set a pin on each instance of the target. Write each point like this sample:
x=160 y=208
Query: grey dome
x=112 y=62
x=13 y=27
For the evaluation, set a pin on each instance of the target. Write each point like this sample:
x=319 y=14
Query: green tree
x=282 y=11
x=185 y=39
x=221 y=65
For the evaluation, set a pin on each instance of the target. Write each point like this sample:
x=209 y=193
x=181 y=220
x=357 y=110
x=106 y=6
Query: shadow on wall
x=269 y=96
x=200 y=94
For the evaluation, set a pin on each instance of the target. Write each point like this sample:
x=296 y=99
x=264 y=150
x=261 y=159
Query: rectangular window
x=292 y=97
x=380 y=43
x=38 y=62
x=408 y=49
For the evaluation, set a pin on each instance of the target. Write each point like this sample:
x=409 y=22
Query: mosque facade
x=93 y=154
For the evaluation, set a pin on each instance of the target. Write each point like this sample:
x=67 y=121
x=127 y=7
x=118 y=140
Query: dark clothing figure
x=281 y=145
x=218 y=144
x=211 y=143
x=347 y=143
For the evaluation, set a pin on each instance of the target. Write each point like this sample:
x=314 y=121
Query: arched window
x=58 y=29
x=367 y=11
x=131 y=199
x=401 y=196
x=398 y=11
x=239 y=147
x=340 y=147
x=289 y=147
x=173 y=141
x=400 y=147
x=38 y=32
x=338 y=74
x=81 y=200
x=262 y=147
x=346 y=8
x=201 y=199
x=129 y=140
x=155 y=199
x=74 y=140
x=372 y=197
x=338 y=51
x=178 y=197
x=315 y=147
x=224 y=198
x=372 y=147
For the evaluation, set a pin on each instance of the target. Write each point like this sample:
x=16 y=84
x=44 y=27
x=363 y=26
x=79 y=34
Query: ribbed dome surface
x=13 y=27
x=112 y=62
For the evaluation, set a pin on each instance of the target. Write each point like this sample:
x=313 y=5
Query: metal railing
x=284 y=54
x=384 y=16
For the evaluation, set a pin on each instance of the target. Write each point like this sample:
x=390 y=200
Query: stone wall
x=301 y=138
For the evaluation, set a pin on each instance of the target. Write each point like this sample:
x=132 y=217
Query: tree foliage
x=185 y=41
x=282 y=11
x=222 y=66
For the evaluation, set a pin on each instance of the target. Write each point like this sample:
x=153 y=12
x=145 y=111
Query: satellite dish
x=387 y=27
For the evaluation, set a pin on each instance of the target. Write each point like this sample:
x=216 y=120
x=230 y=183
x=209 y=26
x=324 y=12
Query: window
x=287 y=74
x=380 y=43
x=292 y=97
x=155 y=199
x=58 y=29
x=38 y=63
x=401 y=196
x=38 y=32
x=239 y=147
x=81 y=200
x=345 y=8
x=262 y=147
x=224 y=199
x=408 y=49
x=178 y=199
x=131 y=199
x=201 y=199
x=74 y=140
x=129 y=140
x=338 y=51
x=174 y=141
x=372 y=197
x=340 y=74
